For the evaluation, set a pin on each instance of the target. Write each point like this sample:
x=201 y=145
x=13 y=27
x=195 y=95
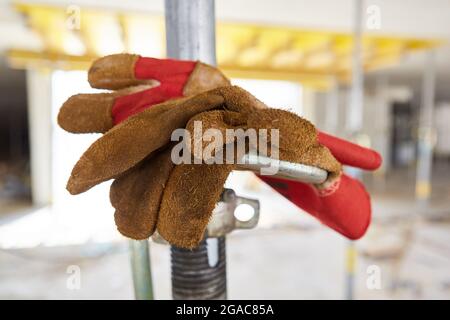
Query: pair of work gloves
x=154 y=97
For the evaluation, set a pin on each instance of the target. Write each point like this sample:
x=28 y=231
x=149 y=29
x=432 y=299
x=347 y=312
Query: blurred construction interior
x=293 y=54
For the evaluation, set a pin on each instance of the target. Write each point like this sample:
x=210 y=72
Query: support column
x=190 y=30
x=426 y=133
x=355 y=111
x=190 y=34
x=354 y=126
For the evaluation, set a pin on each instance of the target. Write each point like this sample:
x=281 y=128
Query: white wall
x=40 y=131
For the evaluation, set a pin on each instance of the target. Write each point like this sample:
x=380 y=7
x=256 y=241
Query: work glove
x=149 y=191
x=139 y=83
x=197 y=187
x=342 y=203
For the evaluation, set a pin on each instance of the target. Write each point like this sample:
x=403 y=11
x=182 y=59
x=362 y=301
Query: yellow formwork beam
x=243 y=50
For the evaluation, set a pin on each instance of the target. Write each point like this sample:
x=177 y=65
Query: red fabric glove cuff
x=347 y=210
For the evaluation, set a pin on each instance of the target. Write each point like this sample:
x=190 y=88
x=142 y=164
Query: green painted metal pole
x=141 y=269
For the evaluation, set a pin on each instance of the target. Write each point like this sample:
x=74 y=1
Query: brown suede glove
x=193 y=190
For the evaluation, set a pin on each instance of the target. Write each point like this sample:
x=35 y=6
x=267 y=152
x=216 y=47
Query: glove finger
x=208 y=145
x=203 y=78
x=131 y=141
x=238 y=99
x=116 y=71
x=351 y=154
x=297 y=139
x=136 y=195
x=299 y=145
x=93 y=113
x=97 y=113
x=191 y=194
x=124 y=70
x=87 y=113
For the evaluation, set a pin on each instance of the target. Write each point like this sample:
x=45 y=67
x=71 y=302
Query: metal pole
x=141 y=270
x=381 y=85
x=355 y=112
x=332 y=106
x=426 y=133
x=190 y=30
x=354 y=125
x=200 y=274
x=190 y=34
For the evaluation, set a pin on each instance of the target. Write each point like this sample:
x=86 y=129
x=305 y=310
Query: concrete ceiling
x=416 y=18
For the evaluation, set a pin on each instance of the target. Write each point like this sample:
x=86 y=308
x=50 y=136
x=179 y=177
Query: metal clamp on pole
x=223 y=219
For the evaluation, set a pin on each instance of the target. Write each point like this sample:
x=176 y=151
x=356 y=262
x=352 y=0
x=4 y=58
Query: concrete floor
x=273 y=264
x=289 y=256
